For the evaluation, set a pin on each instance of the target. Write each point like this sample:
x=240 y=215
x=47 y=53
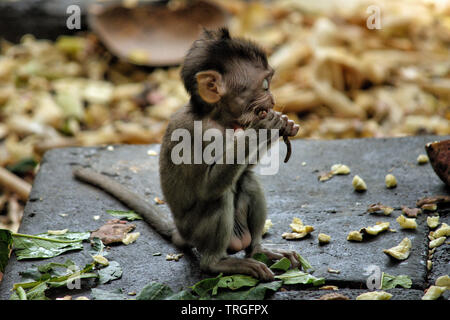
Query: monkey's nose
x=272 y=99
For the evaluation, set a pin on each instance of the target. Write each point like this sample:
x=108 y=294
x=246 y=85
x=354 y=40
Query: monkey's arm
x=221 y=174
x=158 y=220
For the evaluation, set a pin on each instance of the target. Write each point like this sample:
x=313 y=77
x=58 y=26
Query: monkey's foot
x=278 y=254
x=247 y=266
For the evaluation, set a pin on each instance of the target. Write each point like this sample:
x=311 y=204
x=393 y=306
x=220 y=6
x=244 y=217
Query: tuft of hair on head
x=214 y=50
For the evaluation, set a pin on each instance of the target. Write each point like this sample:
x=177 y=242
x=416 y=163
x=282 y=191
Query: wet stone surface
x=331 y=207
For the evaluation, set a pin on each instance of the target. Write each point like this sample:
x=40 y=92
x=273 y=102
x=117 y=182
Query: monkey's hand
x=277 y=254
x=273 y=120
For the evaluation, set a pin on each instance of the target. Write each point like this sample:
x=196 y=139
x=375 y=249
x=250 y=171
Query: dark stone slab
x=313 y=294
x=332 y=207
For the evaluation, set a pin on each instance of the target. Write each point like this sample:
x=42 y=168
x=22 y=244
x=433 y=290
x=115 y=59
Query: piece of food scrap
x=329 y=270
x=323 y=238
x=340 y=169
x=130 y=238
x=422 y=159
x=333 y=296
x=411 y=212
x=359 y=184
x=433 y=293
x=443 y=281
x=443 y=231
x=406 y=223
x=429 y=207
x=336 y=169
x=400 y=252
x=174 y=256
x=113 y=231
x=158 y=200
x=354 y=236
x=100 y=260
x=374 y=295
x=436 y=242
x=376 y=229
x=377 y=207
x=390 y=181
x=432 y=222
x=432 y=200
x=299 y=230
x=267 y=225
x=328 y=287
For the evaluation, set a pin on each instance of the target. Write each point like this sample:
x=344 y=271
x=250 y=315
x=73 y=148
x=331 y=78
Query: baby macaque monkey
x=217 y=208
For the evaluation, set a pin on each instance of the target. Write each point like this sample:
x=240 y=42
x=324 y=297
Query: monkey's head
x=228 y=75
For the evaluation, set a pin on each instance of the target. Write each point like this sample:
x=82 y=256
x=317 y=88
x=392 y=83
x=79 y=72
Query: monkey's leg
x=256 y=217
x=213 y=239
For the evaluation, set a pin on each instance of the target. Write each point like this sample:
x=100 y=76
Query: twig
x=14 y=184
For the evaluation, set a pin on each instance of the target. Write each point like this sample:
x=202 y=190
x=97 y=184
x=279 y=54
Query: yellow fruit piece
x=323 y=238
x=436 y=242
x=297 y=226
x=434 y=292
x=130 y=238
x=443 y=231
x=340 y=169
x=443 y=281
x=433 y=222
x=293 y=235
x=354 y=236
x=174 y=256
x=376 y=229
x=422 y=159
x=359 y=184
x=391 y=181
x=429 y=207
x=101 y=260
x=374 y=295
x=406 y=223
x=400 y=252
x=267 y=225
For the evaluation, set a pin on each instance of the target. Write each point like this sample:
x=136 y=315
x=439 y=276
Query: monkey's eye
x=265 y=84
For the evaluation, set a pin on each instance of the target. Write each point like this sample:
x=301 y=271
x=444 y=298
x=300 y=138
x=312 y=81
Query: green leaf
x=48 y=276
x=255 y=293
x=47 y=246
x=295 y=276
x=283 y=264
x=389 y=282
x=97 y=248
x=304 y=263
x=99 y=294
x=129 y=215
x=6 y=242
x=182 y=295
x=52 y=266
x=262 y=257
x=155 y=291
x=23 y=166
x=46 y=271
x=112 y=272
x=203 y=287
x=234 y=282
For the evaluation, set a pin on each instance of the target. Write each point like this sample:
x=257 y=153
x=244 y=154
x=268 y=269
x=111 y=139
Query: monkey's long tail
x=155 y=218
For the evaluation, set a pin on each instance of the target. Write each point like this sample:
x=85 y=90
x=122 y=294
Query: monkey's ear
x=211 y=86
